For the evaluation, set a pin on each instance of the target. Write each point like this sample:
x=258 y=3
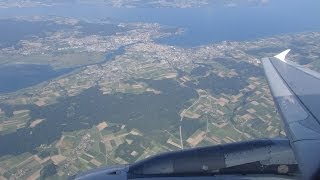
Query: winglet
x=282 y=55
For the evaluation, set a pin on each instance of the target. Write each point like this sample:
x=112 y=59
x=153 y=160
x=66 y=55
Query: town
x=220 y=113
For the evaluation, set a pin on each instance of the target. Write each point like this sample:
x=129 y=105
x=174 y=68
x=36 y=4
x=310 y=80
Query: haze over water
x=204 y=25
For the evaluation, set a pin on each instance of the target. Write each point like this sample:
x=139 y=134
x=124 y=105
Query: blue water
x=203 y=25
x=17 y=76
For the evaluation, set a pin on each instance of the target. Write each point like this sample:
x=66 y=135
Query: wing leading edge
x=296 y=92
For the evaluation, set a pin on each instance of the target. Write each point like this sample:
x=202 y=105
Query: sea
x=205 y=25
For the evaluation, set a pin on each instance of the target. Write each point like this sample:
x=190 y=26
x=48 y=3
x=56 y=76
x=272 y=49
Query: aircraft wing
x=296 y=93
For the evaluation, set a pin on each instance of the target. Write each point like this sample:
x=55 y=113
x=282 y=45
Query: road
x=181 y=119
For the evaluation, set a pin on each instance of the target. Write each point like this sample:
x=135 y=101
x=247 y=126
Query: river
x=202 y=26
